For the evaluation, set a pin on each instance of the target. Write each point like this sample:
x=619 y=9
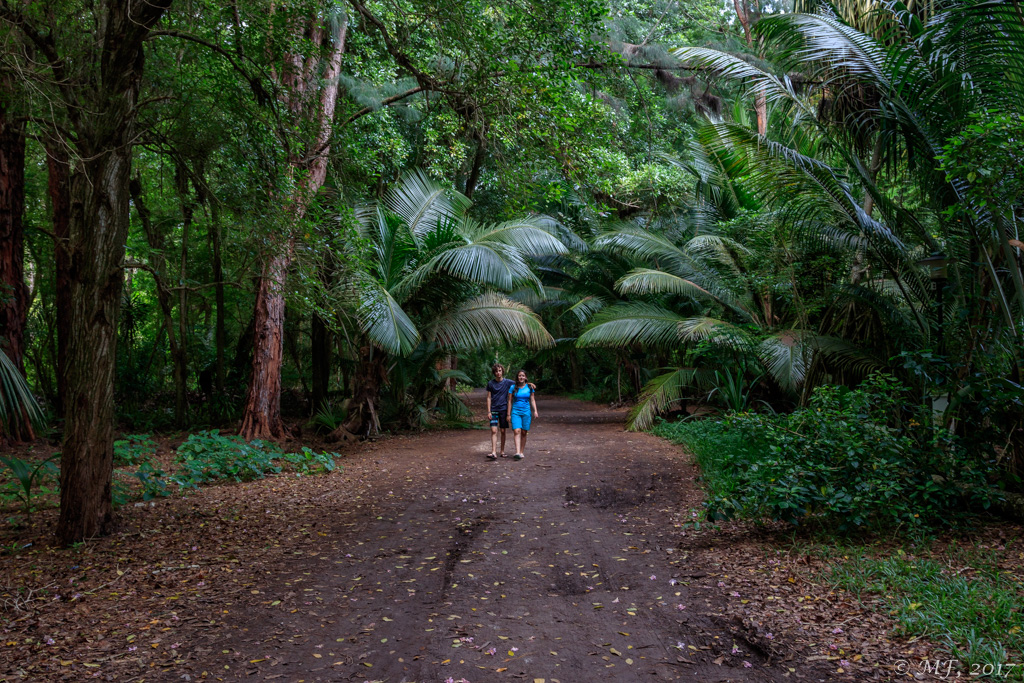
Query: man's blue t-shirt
x=499 y=394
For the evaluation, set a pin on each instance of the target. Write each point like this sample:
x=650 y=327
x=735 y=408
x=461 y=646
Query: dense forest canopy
x=270 y=217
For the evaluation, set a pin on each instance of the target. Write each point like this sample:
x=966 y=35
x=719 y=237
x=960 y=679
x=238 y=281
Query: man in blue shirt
x=497 y=408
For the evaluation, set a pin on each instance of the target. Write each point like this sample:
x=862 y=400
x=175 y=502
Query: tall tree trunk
x=321 y=362
x=59 y=187
x=262 y=413
x=220 y=336
x=102 y=108
x=478 y=162
x=98 y=232
x=13 y=291
x=181 y=358
x=158 y=269
x=747 y=19
x=262 y=418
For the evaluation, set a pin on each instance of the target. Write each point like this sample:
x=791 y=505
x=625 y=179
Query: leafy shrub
x=154 y=485
x=309 y=460
x=848 y=459
x=133 y=449
x=330 y=416
x=205 y=457
x=209 y=456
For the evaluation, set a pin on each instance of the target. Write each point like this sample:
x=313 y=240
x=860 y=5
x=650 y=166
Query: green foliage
x=852 y=459
x=133 y=449
x=977 y=616
x=29 y=475
x=209 y=456
x=154 y=483
x=16 y=400
x=309 y=461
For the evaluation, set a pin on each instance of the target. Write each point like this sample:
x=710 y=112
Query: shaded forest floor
x=419 y=560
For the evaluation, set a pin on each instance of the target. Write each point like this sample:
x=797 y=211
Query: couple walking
x=510 y=402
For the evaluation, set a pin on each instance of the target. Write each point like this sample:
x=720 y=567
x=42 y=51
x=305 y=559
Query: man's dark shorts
x=499 y=419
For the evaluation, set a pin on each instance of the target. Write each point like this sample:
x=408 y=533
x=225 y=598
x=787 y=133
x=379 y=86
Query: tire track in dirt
x=557 y=567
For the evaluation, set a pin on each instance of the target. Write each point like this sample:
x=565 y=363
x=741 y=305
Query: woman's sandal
x=518 y=456
x=492 y=456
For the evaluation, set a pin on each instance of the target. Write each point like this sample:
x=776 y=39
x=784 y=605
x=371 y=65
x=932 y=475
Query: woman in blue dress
x=521 y=405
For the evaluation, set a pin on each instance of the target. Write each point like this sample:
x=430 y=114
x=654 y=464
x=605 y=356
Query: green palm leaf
x=532 y=236
x=383 y=321
x=634 y=323
x=423 y=204
x=659 y=394
x=785 y=355
x=16 y=399
x=490 y=318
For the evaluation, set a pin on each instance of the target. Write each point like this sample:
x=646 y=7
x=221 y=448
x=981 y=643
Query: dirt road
x=561 y=567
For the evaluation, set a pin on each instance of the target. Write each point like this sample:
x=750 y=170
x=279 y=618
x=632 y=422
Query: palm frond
x=423 y=203
x=658 y=395
x=490 y=318
x=16 y=399
x=634 y=323
x=785 y=355
x=532 y=236
x=382 y=319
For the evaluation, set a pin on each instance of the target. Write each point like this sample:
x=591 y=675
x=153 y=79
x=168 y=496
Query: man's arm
x=488 y=400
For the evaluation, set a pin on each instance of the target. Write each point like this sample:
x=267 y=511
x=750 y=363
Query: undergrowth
x=975 y=614
x=853 y=459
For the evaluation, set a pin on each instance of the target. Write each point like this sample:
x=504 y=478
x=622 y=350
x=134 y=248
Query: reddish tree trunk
x=60 y=203
x=262 y=412
x=262 y=417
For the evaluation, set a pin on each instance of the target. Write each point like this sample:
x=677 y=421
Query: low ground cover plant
x=209 y=456
x=975 y=614
x=851 y=459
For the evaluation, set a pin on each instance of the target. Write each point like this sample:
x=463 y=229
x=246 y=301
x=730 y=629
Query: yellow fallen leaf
x=317 y=655
x=629 y=661
x=504 y=668
x=257 y=661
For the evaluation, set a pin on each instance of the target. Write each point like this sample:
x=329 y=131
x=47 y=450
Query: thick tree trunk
x=321 y=362
x=102 y=106
x=478 y=162
x=13 y=292
x=59 y=186
x=262 y=412
x=98 y=232
x=262 y=418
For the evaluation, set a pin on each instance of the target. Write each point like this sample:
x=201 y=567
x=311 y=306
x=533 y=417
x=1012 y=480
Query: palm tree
x=916 y=85
x=433 y=281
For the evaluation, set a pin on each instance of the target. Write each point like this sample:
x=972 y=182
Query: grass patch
x=976 y=615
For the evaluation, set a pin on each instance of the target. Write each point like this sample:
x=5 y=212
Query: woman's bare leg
x=517 y=435
x=522 y=442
